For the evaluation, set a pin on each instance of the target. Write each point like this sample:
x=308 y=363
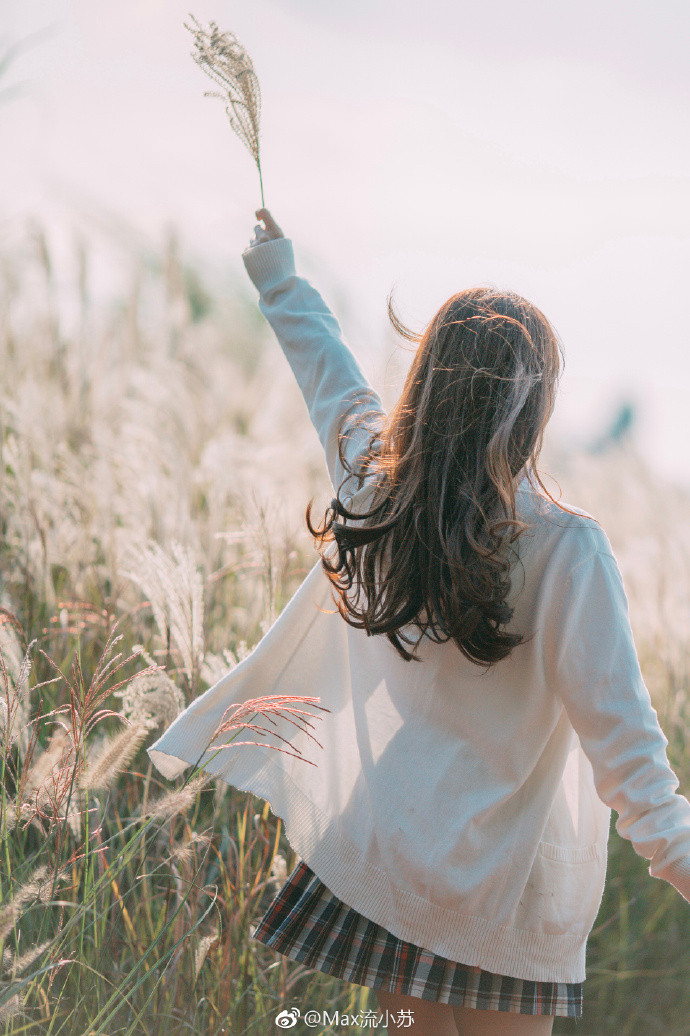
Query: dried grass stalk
x=283 y=706
x=224 y=59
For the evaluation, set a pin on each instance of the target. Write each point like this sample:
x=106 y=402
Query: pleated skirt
x=307 y=923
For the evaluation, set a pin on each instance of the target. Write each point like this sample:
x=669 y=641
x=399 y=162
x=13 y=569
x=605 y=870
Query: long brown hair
x=433 y=551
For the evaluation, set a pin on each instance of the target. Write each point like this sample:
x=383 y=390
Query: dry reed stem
x=223 y=58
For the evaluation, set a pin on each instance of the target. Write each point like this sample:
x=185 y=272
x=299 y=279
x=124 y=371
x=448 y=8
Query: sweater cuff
x=678 y=874
x=269 y=263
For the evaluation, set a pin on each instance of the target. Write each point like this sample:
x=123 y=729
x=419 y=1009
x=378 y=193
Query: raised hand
x=268 y=232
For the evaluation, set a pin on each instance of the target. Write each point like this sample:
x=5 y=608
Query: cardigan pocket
x=570 y=854
x=563 y=893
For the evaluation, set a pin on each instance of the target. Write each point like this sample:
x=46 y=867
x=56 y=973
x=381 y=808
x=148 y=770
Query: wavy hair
x=433 y=552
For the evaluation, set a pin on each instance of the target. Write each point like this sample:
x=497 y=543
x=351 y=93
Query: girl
x=486 y=706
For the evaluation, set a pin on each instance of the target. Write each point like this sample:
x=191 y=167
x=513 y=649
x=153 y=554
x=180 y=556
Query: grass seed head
x=223 y=58
x=112 y=757
x=179 y=800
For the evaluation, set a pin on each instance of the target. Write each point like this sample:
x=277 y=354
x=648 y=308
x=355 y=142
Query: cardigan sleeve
x=331 y=380
x=598 y=677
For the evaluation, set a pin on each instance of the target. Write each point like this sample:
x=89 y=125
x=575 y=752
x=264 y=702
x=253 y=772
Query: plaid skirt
x=306 y=922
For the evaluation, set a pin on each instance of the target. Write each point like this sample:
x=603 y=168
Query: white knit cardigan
x=466 y=811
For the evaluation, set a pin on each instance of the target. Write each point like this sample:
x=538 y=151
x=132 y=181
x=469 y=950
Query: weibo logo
x=287 y=1019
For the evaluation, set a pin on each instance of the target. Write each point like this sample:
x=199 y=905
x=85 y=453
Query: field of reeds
x=156 y=459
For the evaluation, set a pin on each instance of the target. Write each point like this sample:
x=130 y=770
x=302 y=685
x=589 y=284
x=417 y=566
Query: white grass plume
x=15 y=692
x=11 y=1008
x=223 y=58
x=152 y=699
x=16 y=964
x=174 y=588
x=46 y=765
x=105 y=763
x=184 y=851
x=279 y=871
x=37 y=887
x=201 y=951
x=179 y=800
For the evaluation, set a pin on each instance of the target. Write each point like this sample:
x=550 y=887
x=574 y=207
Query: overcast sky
x=539 y=146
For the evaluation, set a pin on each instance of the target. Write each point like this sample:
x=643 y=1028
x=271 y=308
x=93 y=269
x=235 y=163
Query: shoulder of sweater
x=558 y=526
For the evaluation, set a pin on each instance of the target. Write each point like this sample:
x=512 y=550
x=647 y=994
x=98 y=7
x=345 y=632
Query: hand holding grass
x=270 y=230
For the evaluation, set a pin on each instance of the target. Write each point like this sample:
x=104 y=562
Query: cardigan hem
x=467 y=939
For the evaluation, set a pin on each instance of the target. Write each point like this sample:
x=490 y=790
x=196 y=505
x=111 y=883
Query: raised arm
x=327 y=373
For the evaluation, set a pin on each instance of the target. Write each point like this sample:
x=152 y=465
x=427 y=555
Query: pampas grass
x=131 y=579
x=173 y=586
x=155 y=458
x=224 y=59
x=15 y=667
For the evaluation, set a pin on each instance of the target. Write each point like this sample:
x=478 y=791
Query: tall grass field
x=155 y=462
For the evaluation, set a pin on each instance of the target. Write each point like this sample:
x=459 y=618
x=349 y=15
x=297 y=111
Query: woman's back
x=462 y=808
x=474 y=773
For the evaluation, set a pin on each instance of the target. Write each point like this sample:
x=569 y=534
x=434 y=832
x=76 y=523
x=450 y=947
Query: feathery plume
x=224 y=59
x=10 y=1008
x=37 y=887
x=15 y=964
x=283 y=706
x=9 y=915
x=174 y=587
x=184 y=851
x=154 y=699
x=179 y=800
x=109 y=759
x=48 y=765
x=201 y=952
x=15 y=667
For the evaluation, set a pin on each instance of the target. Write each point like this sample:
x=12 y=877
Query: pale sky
x=539 y=146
